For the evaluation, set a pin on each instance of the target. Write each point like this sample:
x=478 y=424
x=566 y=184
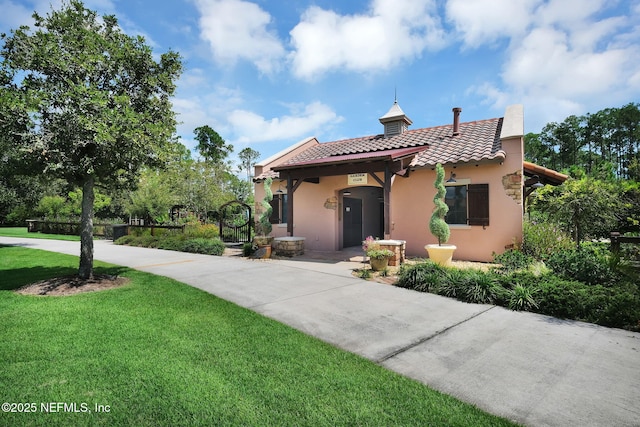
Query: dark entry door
x=352 y=228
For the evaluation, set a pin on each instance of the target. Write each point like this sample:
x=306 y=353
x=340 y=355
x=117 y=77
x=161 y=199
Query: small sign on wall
x=357 y=179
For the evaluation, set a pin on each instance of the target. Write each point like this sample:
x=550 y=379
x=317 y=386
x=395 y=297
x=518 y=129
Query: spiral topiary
x=437 y=225
x=265 y=224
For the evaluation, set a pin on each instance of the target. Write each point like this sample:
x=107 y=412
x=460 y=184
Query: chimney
x=456 y=121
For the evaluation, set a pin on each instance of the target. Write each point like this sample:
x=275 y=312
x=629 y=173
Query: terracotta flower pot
x=267 y=249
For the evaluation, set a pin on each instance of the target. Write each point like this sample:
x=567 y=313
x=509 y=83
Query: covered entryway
x=363 y=214
x=379 y=166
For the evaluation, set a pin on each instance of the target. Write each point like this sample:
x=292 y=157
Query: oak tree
x=97 y=100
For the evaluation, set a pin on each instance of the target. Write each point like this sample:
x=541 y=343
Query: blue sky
x=268 y=73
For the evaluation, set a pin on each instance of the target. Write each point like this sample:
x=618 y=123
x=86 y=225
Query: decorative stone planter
x=288 y=246
x=379 y=264
x=398 y=249
x=441 y=254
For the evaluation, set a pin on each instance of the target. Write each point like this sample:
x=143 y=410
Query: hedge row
x=198 y=245
x=613 y=305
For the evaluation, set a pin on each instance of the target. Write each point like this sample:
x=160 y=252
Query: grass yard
x=157 y=352
x=22 y=232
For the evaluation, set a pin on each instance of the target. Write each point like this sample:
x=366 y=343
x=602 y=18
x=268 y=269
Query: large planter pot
x=378 y=264
x=264 y=252
x=264 y=246
x=441 y=254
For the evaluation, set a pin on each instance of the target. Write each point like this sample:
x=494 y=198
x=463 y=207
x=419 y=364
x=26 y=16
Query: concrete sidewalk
x=533 y=369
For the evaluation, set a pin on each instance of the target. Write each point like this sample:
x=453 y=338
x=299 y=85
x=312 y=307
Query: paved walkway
x=533 y=369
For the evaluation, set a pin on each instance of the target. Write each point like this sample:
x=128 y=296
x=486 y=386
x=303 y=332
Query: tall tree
x=248 y=156
x=211 y=145
x=97 y=100
x=587 y=208
x=606 y=140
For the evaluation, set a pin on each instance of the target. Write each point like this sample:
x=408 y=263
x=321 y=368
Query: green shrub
x=204 y=246
x=512 y=260
x=364 y=273
x=437 y=224
x=622 y=310
x=421 y=277
x=452 y=284
x=466 y=285
x=586 y=264
x=247 y=249
x=521 y=298
x=570 y=299
x=125 y=240
x=541 y=239
x=481 y=287
x=175 y=243
x=616 y=305
x=172 y=244
x=206 y=231
x=139 y=231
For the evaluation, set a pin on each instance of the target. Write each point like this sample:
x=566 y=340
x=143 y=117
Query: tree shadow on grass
x=19 y=277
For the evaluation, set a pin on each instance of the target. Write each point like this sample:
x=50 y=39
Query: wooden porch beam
x=387 y=201
x=374 y=176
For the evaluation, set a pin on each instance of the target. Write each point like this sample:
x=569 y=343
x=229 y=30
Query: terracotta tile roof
x=478 y=141
x=391 y=154
x=547 y=176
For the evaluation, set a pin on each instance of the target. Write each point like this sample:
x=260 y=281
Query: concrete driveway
x=533 y=369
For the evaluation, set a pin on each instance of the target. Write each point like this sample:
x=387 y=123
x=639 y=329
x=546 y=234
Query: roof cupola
x=395 y=121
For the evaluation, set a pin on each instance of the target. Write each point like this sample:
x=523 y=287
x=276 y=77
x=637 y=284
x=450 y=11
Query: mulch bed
x=71 y=285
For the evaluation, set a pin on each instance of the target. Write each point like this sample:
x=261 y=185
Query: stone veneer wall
x=512 y=184
x=288 y=246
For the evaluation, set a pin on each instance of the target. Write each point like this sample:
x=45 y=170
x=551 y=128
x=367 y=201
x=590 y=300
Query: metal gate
x=235 y=222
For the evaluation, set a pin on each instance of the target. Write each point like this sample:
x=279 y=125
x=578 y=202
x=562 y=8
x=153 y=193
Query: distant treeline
x=604 y=144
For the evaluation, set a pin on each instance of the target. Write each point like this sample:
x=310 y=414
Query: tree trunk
x=86 y=230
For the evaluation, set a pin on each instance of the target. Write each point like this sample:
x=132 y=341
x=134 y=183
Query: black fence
x=235 y=222
x=617 y=240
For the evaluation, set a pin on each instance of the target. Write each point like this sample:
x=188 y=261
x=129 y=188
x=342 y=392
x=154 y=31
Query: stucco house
x=335 y=194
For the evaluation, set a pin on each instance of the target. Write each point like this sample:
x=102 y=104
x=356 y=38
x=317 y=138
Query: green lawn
x=161 y=353
x=22 y=232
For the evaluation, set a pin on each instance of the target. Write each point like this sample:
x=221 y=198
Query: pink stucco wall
x=318 y=212
x=318 y=207
x=412 y=204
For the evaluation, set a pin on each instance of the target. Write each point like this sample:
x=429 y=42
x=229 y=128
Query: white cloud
x=390 y=32
x=567 y=13
x=250 y=127
x=546 y=62
x=569 y=60
x=481 y=22
x=237 y=29
x=227 y=110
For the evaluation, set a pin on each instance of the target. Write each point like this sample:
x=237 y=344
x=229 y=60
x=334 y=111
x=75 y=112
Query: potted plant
x=440 y=253
x=378 y=257
x=263 y=227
